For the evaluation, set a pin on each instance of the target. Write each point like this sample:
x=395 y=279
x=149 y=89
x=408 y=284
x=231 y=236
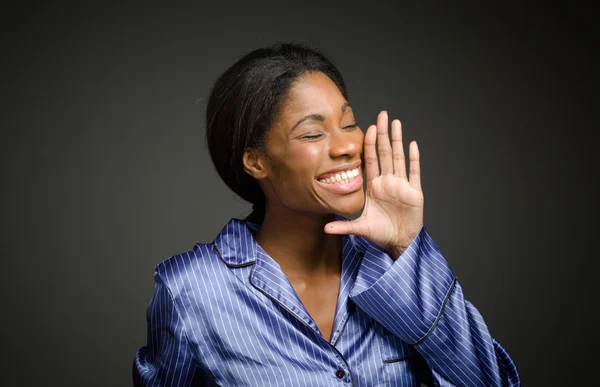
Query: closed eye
x=312 y=136
x=315 y=136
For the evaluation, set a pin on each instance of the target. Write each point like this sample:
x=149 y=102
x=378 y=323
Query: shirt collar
x=237 y=247
x=235 y=243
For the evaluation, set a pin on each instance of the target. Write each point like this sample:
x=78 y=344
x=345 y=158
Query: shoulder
x=210 y=262
x=184 y=269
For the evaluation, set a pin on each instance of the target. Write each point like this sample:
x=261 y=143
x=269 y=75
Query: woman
x=297 y=294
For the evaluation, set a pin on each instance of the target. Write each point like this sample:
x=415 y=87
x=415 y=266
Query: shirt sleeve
x=418 y=299
x=166 y=360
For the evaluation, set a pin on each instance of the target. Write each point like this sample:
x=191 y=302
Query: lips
x=340 y=169
x=345 y=186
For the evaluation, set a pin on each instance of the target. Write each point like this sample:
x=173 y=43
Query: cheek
x=296 y=177
x=359 y=138
x=304 y=157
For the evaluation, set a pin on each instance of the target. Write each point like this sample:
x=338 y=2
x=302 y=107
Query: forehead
x=313 y=93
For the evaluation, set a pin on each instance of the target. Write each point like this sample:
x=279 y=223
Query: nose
x=345 y=144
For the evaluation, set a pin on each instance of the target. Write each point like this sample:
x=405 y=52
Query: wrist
x=397 y=249
x=396 y=252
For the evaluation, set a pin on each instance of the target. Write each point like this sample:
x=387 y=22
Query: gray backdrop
x=105 y=172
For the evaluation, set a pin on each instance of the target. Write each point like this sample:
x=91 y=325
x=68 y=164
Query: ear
x=255 y=163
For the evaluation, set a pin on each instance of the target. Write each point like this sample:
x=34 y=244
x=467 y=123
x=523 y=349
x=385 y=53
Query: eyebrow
x=316 y=117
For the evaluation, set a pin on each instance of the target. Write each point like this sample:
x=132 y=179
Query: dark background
x=105 y=172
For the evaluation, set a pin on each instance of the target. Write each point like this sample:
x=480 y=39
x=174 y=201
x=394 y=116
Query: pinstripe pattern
x=225 y=314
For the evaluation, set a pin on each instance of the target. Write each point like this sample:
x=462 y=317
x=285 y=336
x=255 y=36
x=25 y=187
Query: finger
x=371 y=167
x=415 y=166
x=345 y=227
x=383 y=144
x=398 y=150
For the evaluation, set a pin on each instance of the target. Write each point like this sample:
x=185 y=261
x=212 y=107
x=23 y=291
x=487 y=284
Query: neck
x=298 y=243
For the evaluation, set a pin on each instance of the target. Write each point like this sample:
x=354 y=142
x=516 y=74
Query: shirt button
x=340 y=373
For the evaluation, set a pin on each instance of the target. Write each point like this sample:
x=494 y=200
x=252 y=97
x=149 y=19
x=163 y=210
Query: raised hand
x=393 y=212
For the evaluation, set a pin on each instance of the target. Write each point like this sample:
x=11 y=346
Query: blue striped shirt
x=224 y=314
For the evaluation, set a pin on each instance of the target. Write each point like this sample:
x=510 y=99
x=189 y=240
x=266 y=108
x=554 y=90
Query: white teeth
x=343 y=177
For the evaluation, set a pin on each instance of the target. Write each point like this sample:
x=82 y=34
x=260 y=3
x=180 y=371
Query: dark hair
x=245 y=102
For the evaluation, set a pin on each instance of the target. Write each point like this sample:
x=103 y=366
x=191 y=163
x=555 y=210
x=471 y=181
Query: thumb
x=344 y=227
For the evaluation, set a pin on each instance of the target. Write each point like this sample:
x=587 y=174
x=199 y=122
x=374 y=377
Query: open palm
x=393 y=212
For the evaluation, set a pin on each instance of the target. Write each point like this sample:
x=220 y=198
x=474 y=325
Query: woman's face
x=315 y=151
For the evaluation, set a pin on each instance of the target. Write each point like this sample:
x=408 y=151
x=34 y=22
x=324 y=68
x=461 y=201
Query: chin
x=351 y=205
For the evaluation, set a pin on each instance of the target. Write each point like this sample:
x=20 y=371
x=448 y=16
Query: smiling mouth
x=350 y=181
x=341 y=177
